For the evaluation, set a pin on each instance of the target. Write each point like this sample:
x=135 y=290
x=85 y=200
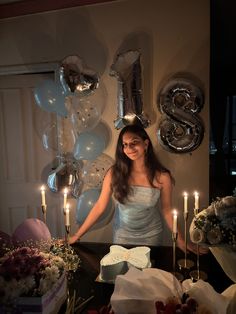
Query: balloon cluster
x=72 y=96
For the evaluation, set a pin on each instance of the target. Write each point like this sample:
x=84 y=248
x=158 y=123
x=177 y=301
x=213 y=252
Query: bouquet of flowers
x=28 y=272
x=215 y=227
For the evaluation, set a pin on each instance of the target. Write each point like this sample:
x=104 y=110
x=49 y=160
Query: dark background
x=222 y=99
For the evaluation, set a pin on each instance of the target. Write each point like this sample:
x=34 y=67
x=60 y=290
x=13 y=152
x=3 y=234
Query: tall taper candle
x=175 y=223
x=67 y=215
x=196 y=202
x=65 y=197
x=185 y=202
x=43 y=195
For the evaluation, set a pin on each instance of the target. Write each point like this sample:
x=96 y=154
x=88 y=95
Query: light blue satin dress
x=138 y=221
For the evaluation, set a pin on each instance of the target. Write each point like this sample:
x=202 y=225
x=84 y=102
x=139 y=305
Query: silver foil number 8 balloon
x=180 y=130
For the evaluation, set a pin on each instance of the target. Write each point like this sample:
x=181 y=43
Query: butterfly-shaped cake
x=120 y=259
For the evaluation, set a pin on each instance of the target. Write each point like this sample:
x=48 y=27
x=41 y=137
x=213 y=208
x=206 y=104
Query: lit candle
x=174 y=221
x=65 y=197
x=43 y=195
x=185 y=202
x=196 y=201
x=67 y=215
x=70 y=179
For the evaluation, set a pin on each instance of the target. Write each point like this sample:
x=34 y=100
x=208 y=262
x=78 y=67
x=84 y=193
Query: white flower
x=44 y=286
x=225 y=207
x=214 y=236
x=51 y=273
x=26 y=284
x=28 y=272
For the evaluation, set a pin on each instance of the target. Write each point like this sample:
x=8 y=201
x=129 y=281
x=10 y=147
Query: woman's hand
x=73 y=238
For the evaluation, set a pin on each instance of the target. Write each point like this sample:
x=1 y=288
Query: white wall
x=172 y=36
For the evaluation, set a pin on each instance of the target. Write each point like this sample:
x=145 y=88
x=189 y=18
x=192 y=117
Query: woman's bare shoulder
x=164 y=176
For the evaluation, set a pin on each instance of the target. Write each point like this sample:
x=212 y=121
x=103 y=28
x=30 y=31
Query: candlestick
x=197 y=274
x=67 y=235
x=44 y=211
x=65 y=197
x=43 y=195
x=178 y=275
x=185 y=263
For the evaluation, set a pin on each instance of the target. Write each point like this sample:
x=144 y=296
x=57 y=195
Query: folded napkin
x=226 y=257
x=230 y=294
x=138 y=290
x=206 y=296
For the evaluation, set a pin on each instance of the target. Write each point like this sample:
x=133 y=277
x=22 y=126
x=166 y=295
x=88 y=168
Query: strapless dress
x=138 y=221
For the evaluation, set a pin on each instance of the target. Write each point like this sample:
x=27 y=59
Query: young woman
x=142 y=189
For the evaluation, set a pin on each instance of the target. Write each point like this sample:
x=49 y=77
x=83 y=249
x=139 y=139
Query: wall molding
x=29 y=68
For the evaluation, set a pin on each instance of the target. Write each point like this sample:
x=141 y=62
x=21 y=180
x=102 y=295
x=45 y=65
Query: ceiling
x=8 y=1
x=13 y=8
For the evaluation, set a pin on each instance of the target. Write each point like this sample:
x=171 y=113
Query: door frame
x=34 y=68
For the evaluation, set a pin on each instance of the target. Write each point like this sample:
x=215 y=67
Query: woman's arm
x=97 y=210
x=166 y=199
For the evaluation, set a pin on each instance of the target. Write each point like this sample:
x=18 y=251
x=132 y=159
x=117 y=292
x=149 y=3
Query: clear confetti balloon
x=94 y=172
x=83 y=113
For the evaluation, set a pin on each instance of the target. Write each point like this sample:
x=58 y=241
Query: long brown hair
x=122 y=167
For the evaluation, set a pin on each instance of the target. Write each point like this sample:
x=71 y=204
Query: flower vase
x=49 y=303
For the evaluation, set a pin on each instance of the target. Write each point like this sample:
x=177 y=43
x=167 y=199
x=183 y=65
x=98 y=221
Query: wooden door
x=24 y=162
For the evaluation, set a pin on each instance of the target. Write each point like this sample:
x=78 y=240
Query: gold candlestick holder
x=178 y=275
x=197 y=274
x=67 y=235
x=44 y=211
x=185 y=263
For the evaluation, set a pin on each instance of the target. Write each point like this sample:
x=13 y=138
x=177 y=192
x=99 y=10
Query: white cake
x=120 y=259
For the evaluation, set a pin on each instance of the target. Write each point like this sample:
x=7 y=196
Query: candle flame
x=65 y=191
x=42 y=188
x=185 y=194
x=175 y=213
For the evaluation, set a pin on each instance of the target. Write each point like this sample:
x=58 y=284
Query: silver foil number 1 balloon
x=181 y=129
x=127 y=70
